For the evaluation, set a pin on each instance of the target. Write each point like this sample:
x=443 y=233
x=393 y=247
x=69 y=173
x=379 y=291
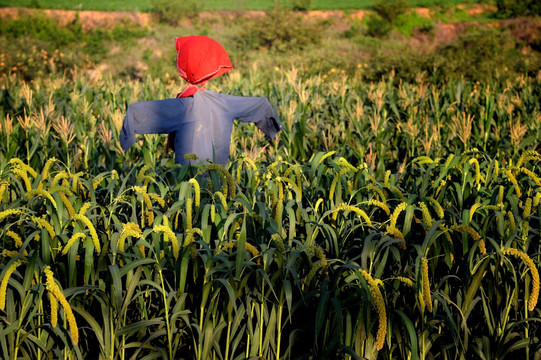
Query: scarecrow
x=198 y=120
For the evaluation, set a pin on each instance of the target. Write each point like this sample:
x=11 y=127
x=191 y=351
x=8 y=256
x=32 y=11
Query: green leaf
x=412 y=334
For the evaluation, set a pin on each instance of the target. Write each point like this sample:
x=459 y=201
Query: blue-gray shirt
x=201 y=124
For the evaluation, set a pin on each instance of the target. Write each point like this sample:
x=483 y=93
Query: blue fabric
x=201 y=123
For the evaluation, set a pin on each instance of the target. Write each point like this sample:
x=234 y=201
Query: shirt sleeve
x=152 y=117
x=256 y=110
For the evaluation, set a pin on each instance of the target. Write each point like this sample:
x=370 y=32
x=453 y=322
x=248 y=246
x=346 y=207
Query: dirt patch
x=423 y=12
x=478 y=9
x=88 y=19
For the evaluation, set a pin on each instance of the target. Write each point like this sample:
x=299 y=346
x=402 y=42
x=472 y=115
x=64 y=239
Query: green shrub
x=512 y=8
x=390 y=9
x=385 y=18
x=280 y=30
x=36 y=45
x=43 y=28
x=172 y=12
x=408 y=23
x=302 y=5
x=376 y=26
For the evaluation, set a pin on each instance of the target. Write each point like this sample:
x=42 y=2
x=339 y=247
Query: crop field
x=390 y=219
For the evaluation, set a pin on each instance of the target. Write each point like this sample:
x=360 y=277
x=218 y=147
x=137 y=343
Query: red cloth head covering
x=199 y=59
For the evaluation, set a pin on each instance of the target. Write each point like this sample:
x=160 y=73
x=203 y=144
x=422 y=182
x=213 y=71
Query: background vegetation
x=396 y=216
x=146 y=5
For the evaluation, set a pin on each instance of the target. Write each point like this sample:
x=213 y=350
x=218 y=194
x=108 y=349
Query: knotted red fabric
x=199 y=59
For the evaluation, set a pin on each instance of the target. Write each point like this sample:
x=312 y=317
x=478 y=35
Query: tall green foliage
x=515 y=8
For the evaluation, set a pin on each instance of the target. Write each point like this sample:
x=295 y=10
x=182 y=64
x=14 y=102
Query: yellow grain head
x=473 y=233
x=278 y=209
x=228 y=189
x=499 y=200
x=474 y=209
x=427 y=218
x=423 y=160
x=321 y=256
x=61 y=176
x=381 y=205
x=386 y=179
x=16 y=238
x=399 y=193
x=53 y=288
x=346 y=207
x=513 y=180
x=394 y=217
x=41 y=193
x=528 y=155
x=426 y=284
x=213 y=213
x=421 y=300
x=448 y=161
x=525 y=221
x=379 y=302
x=91 y=229
x=536 y=199
x=23 y=176
x=192 y=157
x=3 y=186
x=313 y=270
x=531 y=175
x=67 y=204
x=9 y=212
x=437 y=207
x=189 y=239
x=330 y=153
x=405 y=280
x=4 y=282
x=18 y=163
x=188 y=213
x=84 y=208
x=11 y=254
x=70 y=242
x=54 y=309
x=377 y=191
x=335 y=181
x=128 y=229
x=279 y=242
x=343 y=163
x=43 y=224
x=75 y=181
x=97 y=181
x=394 y=232
x=197 y=192
x=527 y=208
x=440 y=186
x=142 y=173
x=534 y=294
x=253 y=250
x=478 y=177
x=222 y=199
x=169 y=236
x=512 y=224
x=157 y=198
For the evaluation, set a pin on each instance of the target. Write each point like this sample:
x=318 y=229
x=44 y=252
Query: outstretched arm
x=256 y=110
x=152 y=117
